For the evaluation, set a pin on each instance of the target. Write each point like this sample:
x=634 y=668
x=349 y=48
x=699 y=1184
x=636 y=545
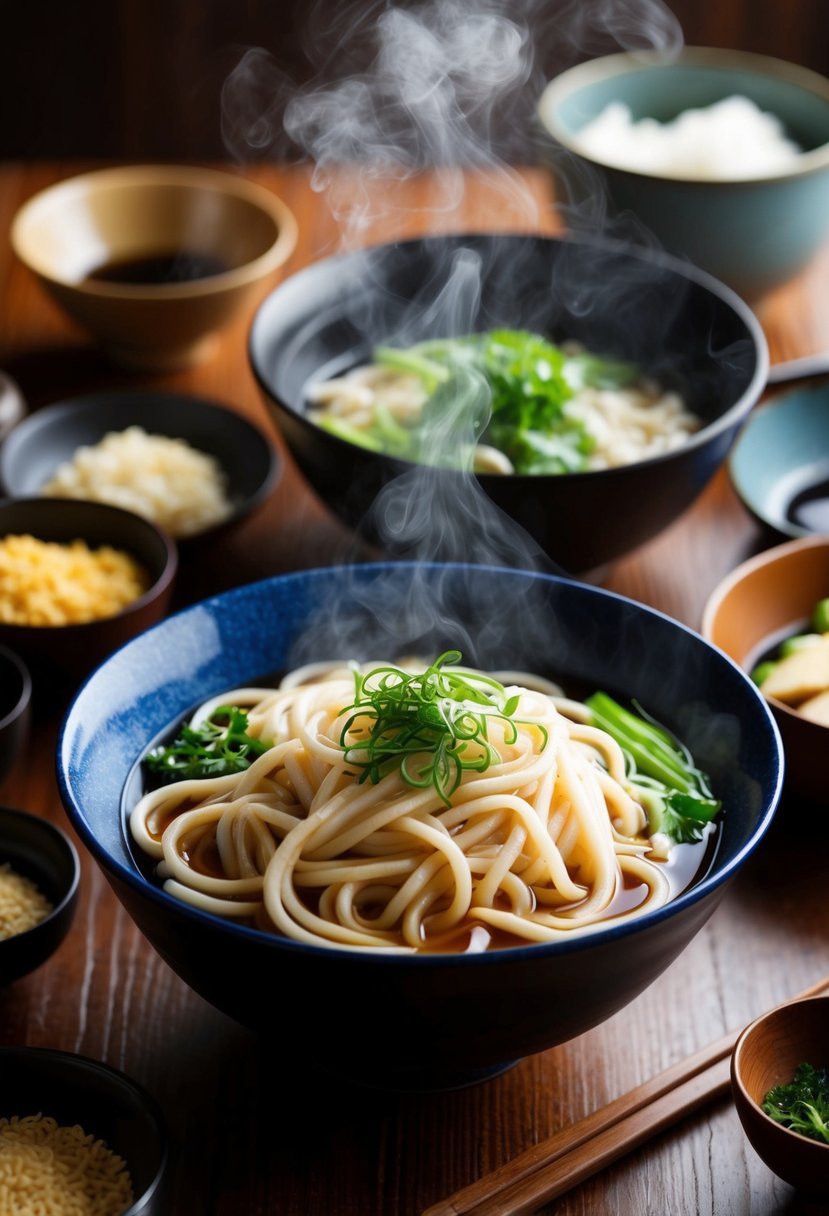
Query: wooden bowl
x=764 y=599
x=767 y=1054
x=233 y=231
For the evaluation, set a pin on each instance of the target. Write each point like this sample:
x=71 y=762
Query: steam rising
x=400 y=90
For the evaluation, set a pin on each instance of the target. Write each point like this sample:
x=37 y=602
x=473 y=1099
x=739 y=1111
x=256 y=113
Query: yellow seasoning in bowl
x=50 y=583
x=62 y=1171
x=22 y=904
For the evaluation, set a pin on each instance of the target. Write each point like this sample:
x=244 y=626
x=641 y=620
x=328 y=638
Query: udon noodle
x=544 y=840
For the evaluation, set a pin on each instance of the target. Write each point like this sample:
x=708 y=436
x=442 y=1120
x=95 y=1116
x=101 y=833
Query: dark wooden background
x=142 y=79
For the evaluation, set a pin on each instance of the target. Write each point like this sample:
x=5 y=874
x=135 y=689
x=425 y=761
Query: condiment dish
x=87 y=238
x=779 y=464
x=766 y=1055
x=15 y=708
x=430 y=1020
x=43 y=854
x=51 y=436
x=753 y=234
x=682 y=328
x=72 y=650
x=105 y=1102
x=765 y=599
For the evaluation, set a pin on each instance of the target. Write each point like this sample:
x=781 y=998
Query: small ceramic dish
x=105 y=1102
x=154 y=259
x=766 y=1055
x=15 y=708
x=753 y=233
x=74 y=649
x=51 y=436
x=779 y=465
x=761 y=602
x=43 y=854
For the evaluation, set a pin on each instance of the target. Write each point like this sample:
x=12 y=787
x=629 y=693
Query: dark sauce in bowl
x=810 y=507
x=179 y=266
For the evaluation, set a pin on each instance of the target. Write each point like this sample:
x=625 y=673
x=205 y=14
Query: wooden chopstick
x=553 y=1166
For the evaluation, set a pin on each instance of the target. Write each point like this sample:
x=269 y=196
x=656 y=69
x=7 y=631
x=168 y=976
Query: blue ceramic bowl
x=752 y=234
x=680 y=326
x=417 y=1021
x=779 y=464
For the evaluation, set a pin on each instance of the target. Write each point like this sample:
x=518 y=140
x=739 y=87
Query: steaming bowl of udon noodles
x=428 y=864
x=589 y=389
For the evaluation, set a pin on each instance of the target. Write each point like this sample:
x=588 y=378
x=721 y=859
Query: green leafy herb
x=432 y=725
x=802 y=1105
x=674 y=792
x=530 y=382
x=218 y=746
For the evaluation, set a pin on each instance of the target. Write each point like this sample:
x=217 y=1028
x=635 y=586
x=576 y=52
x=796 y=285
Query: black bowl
x=15 y=708
x=430 y=1020
x=41 y=852
x=70 y=651
x=51 y=436
x=675 y=322
x=105 y=1102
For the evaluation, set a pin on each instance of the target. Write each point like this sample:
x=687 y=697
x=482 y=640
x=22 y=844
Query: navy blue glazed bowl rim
x=716 y=877
x=682 y=268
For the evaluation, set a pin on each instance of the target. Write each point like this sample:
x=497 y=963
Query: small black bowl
x=15 y=708
x=105 y=1102
x=676 y=323
x=43 y=853
x=73 y=650
x=50 y=437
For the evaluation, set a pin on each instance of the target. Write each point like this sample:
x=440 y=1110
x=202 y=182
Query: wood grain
x=258 y=1131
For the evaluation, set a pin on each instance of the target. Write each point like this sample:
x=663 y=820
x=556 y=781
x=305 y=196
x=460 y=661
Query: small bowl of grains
x=103 y=1134
x=189 y=465
x=77 y=580
x=39 y=876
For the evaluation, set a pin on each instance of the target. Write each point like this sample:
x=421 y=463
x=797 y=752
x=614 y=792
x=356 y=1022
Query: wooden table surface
x=257 y=1132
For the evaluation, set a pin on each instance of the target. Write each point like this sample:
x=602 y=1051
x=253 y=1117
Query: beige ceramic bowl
x=767 y=1054
x=237 y=230
x=756 y=605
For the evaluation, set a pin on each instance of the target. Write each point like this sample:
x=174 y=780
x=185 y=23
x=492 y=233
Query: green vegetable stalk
x=674 y=793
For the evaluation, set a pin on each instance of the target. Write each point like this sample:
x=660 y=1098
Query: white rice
x=727 y=141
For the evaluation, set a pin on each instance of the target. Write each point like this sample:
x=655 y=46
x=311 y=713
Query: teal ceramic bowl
x=753 y=234
x=779 y=465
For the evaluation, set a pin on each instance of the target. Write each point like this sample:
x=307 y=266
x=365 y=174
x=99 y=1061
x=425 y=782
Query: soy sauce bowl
x=779 y=465
x=107 y=1104
x=767 y=1054
x=41 y=852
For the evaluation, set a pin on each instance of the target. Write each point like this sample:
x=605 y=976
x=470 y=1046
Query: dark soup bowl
x=681 y=328
x=417 y=1019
